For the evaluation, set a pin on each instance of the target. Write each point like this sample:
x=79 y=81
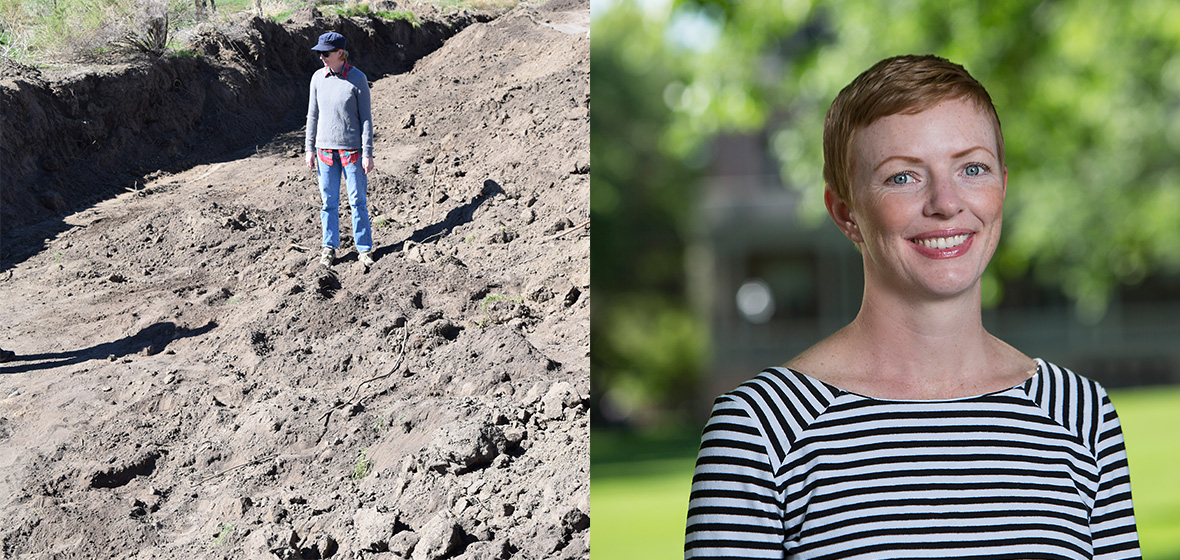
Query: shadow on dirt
x=149 y=341
x=455 y=218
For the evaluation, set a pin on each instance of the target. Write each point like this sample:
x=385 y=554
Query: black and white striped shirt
x=791 y=467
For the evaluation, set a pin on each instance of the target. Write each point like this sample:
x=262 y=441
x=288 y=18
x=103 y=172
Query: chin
x=952 y=287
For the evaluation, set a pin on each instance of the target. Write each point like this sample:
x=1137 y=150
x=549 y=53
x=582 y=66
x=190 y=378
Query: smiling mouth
x=941 y=242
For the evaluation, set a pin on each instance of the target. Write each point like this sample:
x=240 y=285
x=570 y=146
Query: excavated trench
x=71 y=138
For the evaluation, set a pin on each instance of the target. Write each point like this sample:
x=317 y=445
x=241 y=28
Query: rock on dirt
x=190 y=383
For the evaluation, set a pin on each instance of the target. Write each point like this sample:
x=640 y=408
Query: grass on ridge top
x=41 y=32
x=639 y=485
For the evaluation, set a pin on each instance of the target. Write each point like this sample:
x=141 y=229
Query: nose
x=943 y=197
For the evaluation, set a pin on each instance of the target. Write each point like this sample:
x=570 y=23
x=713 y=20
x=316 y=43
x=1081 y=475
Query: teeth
x=941 y=242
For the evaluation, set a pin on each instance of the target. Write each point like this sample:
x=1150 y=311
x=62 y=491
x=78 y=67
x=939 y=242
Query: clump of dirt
x=190 y=383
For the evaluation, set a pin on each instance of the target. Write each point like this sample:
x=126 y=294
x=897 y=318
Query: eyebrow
x=915 y=160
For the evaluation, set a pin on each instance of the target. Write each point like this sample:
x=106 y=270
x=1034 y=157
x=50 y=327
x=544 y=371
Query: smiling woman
x=913 y=432
x=929 y=188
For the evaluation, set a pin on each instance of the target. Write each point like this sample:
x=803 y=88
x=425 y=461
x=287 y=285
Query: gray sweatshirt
x=339 y=116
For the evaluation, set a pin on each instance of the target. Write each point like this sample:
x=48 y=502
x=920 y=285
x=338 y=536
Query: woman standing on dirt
x=912 y=432
x=340 y=136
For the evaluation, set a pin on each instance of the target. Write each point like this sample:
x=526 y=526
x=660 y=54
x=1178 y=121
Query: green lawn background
x=639 y=485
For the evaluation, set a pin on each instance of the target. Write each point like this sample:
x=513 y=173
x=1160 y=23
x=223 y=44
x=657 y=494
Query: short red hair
x=899 y=85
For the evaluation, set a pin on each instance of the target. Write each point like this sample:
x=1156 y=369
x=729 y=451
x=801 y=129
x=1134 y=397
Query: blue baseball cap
x=330 y=41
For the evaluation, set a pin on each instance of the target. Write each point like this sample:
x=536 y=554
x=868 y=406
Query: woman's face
x=927 y=200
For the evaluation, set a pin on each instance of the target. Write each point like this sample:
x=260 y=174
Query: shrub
x=148 y=29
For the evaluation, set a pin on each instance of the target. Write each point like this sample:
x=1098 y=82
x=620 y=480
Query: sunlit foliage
x=1088 y=92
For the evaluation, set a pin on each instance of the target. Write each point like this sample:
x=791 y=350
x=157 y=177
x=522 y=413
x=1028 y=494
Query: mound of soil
x=190 y=383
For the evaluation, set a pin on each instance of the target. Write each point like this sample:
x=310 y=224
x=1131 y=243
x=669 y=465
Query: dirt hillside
x=190 y=384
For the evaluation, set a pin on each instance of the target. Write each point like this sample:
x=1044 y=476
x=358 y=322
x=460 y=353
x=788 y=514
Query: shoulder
x=778 y=386
x=1052 y=382
x=1074 y=402
x=779 y=404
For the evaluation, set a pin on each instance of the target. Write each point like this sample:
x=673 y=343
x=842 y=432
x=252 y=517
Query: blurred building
x=770 y=287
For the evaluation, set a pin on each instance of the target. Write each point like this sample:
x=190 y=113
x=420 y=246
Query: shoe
x=6 y=355
x=366 y=258
x=327 y=257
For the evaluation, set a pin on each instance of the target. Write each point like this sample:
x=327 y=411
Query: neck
x=335 y=68
x=931 y=347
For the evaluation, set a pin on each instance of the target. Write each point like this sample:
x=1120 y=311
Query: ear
x=841 y=213
x=1005 y=183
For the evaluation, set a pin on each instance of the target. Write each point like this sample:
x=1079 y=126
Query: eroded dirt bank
x=75 y=135
x=189 y=384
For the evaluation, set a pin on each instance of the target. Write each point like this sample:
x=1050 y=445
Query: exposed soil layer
x=190 y=383
x=75 y=135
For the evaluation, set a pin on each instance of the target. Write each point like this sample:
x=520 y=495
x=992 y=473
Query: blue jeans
x=358 y=185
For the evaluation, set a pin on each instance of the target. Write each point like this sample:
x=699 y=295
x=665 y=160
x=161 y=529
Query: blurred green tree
x=1088 y=92
x=646 y=342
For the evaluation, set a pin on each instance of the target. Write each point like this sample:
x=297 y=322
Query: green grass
x=234 y=6
x=490 y=5
x=39 y=32
x=1151 y=427
x=43 y=31
x=639 y=494
x=356 y=10
x=490 y=300
x=36 y=29
x=639 y=485
x=363 y=465
x=222 y=534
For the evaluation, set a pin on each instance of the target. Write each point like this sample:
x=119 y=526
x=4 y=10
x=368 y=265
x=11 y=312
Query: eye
x=975 y=169
x=901 y=179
